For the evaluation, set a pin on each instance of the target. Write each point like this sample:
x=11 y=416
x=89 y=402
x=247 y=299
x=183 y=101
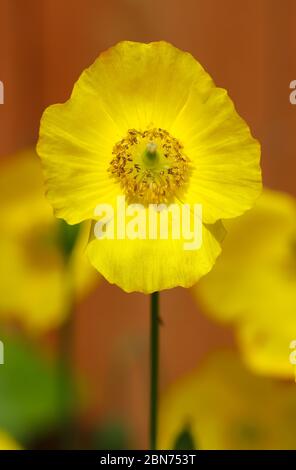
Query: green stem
x=65 y=386
x=154 y=346
x=66 y=381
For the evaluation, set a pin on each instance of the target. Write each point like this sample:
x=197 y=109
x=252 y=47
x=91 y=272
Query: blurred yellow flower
x=7 y=442
x=34 y=277
x=147 y=122
x=253 y=284
x=223 y=406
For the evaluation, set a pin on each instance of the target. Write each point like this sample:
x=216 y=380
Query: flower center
x=150 y=166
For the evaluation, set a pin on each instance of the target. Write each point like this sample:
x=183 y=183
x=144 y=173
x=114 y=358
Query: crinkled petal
x=148 y=265
x=253 y=284
x=226 y=174
x=225 y=407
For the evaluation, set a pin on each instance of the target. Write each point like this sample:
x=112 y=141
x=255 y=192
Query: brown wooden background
x=248 y=46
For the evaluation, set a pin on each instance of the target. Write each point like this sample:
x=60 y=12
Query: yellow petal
x=226 y=175
x=253 y=284
x=265 y=345
x=148 y=265
x=7 y=442
x=227 y=408
x=33 y=277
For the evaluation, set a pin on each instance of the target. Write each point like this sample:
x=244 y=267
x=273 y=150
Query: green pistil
x=151 y=150
x=151 y=153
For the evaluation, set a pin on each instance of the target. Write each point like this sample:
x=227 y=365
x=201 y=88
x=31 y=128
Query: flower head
x=253 y=284
x=147 y=122
x=33 y=271
x=222 y=406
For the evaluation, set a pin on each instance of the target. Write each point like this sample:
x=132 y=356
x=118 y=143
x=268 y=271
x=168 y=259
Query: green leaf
x=185 y=440
x=112 y=435
x=67 y=237
x=30 y=389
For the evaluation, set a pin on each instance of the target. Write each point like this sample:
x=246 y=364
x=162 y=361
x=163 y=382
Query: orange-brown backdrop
x=248 y=47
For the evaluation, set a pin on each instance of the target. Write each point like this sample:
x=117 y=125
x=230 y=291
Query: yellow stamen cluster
x=150 y=165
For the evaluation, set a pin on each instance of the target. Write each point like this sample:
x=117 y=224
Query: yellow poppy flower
x=146 y=122
x=34 y=278
x=222 y=406
x=7 y=442
x=253 y=284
